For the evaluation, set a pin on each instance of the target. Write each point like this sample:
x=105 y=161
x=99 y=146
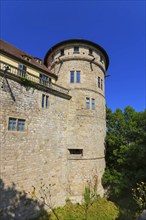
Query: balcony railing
x=9 y=69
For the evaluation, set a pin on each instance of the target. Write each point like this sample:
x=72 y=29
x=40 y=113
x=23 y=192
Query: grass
x=100 y=209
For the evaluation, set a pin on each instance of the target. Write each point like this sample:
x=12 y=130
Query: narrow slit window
x=87 y=103
x=47 y=101
x=78 y=76
x=102 y=84
x=43 y=101
x=93 y=104
x=98 y=82
x=72 y=76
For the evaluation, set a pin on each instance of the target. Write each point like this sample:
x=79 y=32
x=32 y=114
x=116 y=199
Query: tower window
x=76 y=49
x=76 y=152
x=90 y=51
x=78 y=76
x=75 y=77
x=102 y=84
x=72 y=76
x=98 y=82
x=101 y=58
x=62 y=52
x=87 y=103
x=93 y=104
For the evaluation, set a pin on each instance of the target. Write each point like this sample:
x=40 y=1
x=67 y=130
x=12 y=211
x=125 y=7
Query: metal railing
x=7 y=68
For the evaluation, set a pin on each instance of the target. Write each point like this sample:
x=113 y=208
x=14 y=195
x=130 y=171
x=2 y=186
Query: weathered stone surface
x=41 y=152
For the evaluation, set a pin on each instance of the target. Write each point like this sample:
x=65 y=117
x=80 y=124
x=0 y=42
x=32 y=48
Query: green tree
x=125 y=150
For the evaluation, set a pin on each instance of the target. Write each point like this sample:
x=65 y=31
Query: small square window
x=12 y=124
x=76 y=49
x=21 y=125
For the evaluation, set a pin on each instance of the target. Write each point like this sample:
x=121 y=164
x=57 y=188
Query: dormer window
x=38 y=60
x=76 y=49
x=62 y=52
x=27 y=58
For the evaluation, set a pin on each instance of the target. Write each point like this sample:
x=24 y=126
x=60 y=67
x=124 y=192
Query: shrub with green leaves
x=139 y=195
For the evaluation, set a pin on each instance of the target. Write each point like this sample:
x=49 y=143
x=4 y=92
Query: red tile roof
x=17 y=53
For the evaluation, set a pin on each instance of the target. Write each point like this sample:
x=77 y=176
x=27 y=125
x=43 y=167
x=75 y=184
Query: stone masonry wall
x=86 y=127
x=38 y=153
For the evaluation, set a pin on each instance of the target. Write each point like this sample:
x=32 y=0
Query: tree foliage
x=125 y=150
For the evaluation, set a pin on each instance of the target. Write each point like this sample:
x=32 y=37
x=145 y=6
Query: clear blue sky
x=118 y=26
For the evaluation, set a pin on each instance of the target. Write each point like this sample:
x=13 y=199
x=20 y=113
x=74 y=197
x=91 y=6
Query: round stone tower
x=81 y=67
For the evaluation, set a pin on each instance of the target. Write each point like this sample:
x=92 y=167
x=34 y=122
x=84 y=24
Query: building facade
x=53 y=119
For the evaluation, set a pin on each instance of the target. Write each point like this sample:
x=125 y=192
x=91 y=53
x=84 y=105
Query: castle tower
x=81 y=67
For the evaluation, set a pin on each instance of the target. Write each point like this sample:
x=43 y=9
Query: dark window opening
x=98 y=82
x=76 y=152
x=102 y=84
x=62 y=52
x=47 y=101
x=90 y=51
x=76 y=49
x=43 y=100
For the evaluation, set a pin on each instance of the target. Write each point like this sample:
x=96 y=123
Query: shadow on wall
x=15 y=205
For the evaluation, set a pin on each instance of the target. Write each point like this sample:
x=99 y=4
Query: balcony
x=9 y=71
